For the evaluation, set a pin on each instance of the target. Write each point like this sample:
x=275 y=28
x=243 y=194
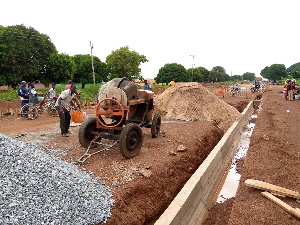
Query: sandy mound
x=192 y=101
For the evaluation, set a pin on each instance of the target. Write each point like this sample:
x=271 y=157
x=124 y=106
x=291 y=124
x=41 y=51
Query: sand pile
x=192 y=101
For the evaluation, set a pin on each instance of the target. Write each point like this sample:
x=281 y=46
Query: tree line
x=199 y=74
x=26 y=54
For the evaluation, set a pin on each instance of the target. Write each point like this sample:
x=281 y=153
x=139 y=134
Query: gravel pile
x=39 y=188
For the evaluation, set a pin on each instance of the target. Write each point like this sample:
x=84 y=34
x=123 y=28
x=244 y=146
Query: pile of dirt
x=192 y=101
x=13 y=104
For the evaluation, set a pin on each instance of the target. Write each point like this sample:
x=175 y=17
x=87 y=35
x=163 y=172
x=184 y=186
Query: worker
x=172 y=82
x=285 y=88
x=34 y=97
x=62 y=105
x=23 y=93
x=147 y=85
x=290 y=89
x=51 y=92
x=68 y=86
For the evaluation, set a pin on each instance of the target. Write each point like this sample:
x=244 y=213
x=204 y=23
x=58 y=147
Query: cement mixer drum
x=115 y=93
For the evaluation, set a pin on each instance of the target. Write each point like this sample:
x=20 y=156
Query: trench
x=217 y=178
x=231 y=180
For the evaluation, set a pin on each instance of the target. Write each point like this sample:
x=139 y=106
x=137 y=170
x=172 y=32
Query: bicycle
x=50 y=105
x=30 y=111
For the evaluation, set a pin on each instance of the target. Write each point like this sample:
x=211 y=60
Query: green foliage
x=218 y=76
x=218 y=69
x=11 y=94
x=61 y=68
x=248 y=76
x=236 y=77
x=170 y=71
x=23 y=53
x=195 y=75
x=89 y=92
x=125 y=63
x=294 y=70
x=84 y=71
x=205 y=73
x=59 y=88
x=158 y=85
x=274 y=72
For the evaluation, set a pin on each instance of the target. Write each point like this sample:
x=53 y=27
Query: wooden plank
x=294 y=211
x=272 y=188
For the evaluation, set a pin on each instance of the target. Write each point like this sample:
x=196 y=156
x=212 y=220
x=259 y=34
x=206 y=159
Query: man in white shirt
x=62 y=104
x=33 y=96
x=51 y=92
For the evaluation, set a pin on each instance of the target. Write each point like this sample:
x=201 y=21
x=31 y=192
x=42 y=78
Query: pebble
x=181 y=148
x=37 y=187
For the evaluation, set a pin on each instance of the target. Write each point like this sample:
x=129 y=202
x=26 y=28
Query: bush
x=11 y=94
x=89 y=92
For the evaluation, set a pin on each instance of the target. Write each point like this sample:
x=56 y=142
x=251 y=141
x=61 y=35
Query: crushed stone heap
x=39 y=188
x=192 y=101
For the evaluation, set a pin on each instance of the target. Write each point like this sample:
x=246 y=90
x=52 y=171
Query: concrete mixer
x=120 y=114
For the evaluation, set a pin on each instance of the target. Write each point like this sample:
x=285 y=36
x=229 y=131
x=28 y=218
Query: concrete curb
x=193 y=201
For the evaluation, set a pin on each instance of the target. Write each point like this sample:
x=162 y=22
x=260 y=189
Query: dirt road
x=145 y=185
x=273 y=157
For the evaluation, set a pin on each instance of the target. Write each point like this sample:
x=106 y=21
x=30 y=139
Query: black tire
x=155 y=127
x=51 y=109
x=29 y=111
x=131 y=140
x=86 y=132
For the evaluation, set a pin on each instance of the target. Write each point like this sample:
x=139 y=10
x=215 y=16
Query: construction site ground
x=144 y=186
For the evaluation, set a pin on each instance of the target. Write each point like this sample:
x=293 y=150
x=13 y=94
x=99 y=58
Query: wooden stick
x=294 y=211
x=272 y=188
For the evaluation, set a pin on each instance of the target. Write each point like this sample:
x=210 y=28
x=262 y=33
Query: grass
x=9 y=95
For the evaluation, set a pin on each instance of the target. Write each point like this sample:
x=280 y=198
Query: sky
x=239 y=35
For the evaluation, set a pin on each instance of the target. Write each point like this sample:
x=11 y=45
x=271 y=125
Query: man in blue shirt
x=146 y=85
x=23 y=93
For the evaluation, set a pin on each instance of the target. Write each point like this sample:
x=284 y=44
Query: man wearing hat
x=23 y=93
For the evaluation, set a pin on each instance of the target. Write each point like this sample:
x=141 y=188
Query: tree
x=218 y=69
x=197 y=76
x=219 y=76
x=236 y=77
x=248 y=76
x=205 y=73
x=60 y=68
x=84 y=73
x=125 y=63
x=274 y=72
x=170 y=71
x=294 y=70
x=23 y=53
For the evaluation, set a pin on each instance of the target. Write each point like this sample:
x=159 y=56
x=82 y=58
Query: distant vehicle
x=235 y=91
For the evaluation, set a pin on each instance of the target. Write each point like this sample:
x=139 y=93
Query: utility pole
x=192 y=68
x=92 y=46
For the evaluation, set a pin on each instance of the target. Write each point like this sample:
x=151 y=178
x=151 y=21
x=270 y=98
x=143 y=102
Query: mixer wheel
x=155 y=127
x=86 y=132
x=131 y=140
